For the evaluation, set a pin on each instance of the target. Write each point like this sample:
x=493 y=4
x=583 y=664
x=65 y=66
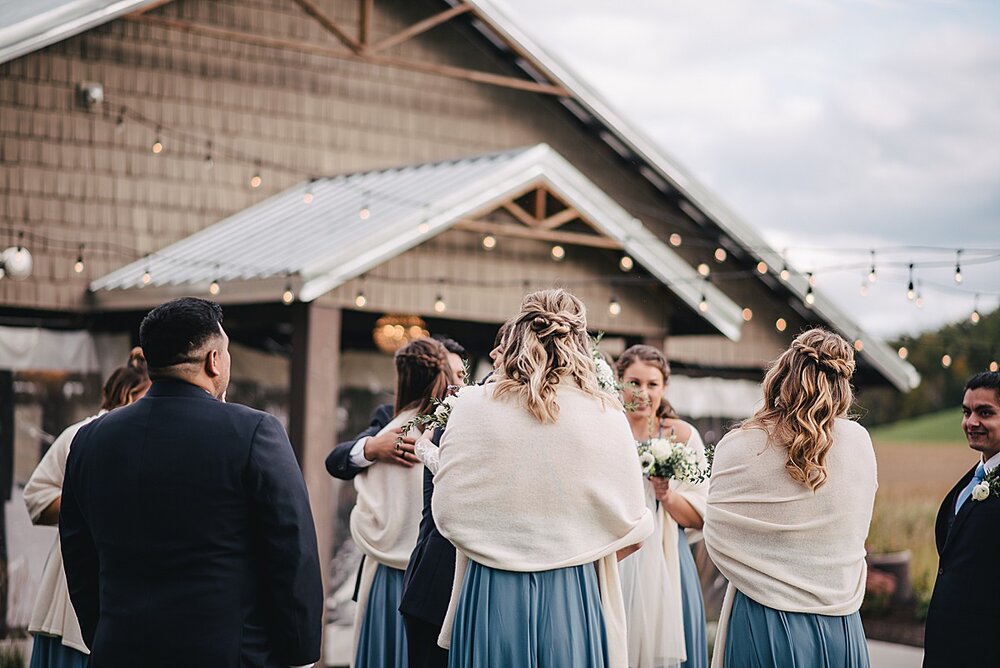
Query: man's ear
x=213 y=363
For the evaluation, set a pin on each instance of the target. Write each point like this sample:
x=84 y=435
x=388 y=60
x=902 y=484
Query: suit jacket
x=188 y=539
x=338 y=462
x=430 y=574
x=964 y=610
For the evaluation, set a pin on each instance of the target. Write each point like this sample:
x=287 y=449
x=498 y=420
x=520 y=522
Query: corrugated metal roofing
x=327 y=241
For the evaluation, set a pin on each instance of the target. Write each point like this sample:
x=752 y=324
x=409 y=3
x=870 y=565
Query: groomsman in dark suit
x=965 y=607
x=185 y=524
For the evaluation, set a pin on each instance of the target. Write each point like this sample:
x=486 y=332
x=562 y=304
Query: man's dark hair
x=173 y=330
x=451 y=345
x=988 y=379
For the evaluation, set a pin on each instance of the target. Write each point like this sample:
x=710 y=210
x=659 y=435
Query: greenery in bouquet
x=607 y=380
x=667 y=458
x=438 y=418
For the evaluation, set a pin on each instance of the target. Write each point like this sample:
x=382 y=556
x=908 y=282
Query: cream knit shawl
x=515 y=494
x=779 y=543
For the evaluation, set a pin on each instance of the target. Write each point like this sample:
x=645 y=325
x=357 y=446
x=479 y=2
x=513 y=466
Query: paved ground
x=888 y=655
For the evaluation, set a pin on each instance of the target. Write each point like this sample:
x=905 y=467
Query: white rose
x=442 y=410
x=661 y=449
x=646 y=460
x=981 y=491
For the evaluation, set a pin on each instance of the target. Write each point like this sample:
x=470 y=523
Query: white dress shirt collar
x=992 y=462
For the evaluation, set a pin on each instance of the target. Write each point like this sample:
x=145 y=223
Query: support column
x=315 y=388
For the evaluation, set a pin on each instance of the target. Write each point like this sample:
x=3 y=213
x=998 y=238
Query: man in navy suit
x=965 y=608
x=185 y=523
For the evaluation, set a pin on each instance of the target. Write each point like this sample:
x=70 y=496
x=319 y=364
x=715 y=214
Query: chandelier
x=392 y=332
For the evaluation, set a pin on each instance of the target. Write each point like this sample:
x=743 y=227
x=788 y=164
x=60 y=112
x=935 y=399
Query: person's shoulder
x=682 y=430
x=742 y=440
x=847 y=428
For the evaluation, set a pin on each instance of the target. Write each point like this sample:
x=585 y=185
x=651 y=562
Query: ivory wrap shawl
x=515 y=494
x=781 y=544
x=386 y=519
x=53 y=613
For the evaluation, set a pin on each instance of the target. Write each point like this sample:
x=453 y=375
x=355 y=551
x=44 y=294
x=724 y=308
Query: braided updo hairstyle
x=546 y=344
x=422 y=373
x=805 y=390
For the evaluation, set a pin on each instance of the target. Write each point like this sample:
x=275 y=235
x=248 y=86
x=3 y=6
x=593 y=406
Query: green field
x=937 y=428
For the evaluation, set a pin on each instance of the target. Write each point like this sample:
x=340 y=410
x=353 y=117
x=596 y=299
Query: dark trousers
x=421 y=644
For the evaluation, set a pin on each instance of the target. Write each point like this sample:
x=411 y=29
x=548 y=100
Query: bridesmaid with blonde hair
x=789 y=506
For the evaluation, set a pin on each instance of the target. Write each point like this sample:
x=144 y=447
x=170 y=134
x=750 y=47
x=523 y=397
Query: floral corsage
x=989 y=485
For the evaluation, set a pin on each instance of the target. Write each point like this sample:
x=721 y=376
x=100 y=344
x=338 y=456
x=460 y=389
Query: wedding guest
x=385 y=520
x=431 y=570
x=664 y=607
x=375 y=445
x=965 y=606
x=539 y=481
x=185 y=524
x=789 y=505
x=58 y=640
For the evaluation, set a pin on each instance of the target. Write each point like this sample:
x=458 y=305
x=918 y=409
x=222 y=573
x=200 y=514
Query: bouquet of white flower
x=666 y=458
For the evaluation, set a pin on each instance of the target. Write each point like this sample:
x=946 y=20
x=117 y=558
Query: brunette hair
x=546 y=343
x=653 y=357
x=806 y=389
x=125 y=382
x=422 y=373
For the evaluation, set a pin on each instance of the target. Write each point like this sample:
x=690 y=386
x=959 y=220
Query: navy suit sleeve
x=338 y=462
x=80 y=558
x=287 y=545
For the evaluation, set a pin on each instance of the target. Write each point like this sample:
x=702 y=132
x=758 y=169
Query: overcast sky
x=825 y=124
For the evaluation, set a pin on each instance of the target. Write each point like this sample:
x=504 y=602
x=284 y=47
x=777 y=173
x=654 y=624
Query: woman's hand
x=384 y=448
x=661 y=489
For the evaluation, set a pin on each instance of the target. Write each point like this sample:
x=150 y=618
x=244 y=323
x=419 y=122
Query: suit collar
x=963 y=513
x=177 y=388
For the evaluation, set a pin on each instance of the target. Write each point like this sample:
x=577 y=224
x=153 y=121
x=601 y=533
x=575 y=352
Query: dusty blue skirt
x=382 y=641
x=761 y=637
x=695 y=638
x=550 y=619
x=49 y=652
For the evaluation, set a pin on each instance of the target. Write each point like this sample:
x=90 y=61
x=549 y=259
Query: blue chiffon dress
x=49 y=652
x=695 y=637
x=549 y=619
x=382 y=639
x=762 y=637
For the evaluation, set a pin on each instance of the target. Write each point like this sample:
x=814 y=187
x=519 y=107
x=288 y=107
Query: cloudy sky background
x=828 y=125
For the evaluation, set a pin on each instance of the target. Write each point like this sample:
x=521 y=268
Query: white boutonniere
x=989 y=485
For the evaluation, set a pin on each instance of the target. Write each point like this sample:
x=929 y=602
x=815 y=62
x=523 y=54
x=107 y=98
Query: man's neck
x=201 y=383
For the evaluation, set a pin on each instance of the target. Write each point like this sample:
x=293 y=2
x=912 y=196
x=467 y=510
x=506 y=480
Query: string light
x=558 y=253
x=360 y=300
x=704 y=270
x=958 y=266
x=994 y=366
x=864 y=288
x=287 y=297
x=675 y=239
x=157 y=146
x=859 y=345
x=209 y=162
x=720 y=255
x=910 y=292
x=309 y=196
x=214 y=288
x=919 y=301
x=489 y=242
x=810 y=297
x=703 y=304
x=762 y=267
x=439 y=304
x=974 y=316
x=78 y=265
x=614 y=307
x=365 y=212
x=871 y=272
x=784 y=271
x=423 y=228
x=16 y=263
x=626 y=263
x=903 y=352
x=147 y=277
x=946 y=360
x=747 y=315
x=256 y=180
x=780 y=324
x=812 y=279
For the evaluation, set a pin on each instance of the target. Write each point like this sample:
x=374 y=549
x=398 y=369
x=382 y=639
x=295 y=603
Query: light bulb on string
x=614 y=307
x=703 y=304
x=308 y=197
x=558 y=253
x=958 y=266
x=360 y=300
x=784 y=273
x=147 y=276
x=812 y=279
x=626 y=263
x=16 y=262
x=287 y=297
x=946 y=360
x=675 y=239
x=704 y=270
x=859 y=345
x=720 y=255
x=78 y=265
x=157 y=146
x=489 y=242
x=762 y=267
x=864 y=288
x=214 y=288
x=747 y=314
x=974 y=317
x=365 y=212
x=910 y=292
x=256 y=180
x=919 y=301
x=871 y=272
x=780 y=324
x=439 y=304
x=810 y=298
x=994 y=366
x=903 y=352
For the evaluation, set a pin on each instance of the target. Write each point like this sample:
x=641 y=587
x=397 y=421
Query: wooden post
x=315 y=388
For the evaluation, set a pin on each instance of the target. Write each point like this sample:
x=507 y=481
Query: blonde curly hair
x=547 y=343
x=806 y=389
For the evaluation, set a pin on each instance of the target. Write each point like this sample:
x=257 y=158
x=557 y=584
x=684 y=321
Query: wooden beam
x=519 y=232
x=515 y=210
x=365 y=29
x=318 y=50
x=150 y=7
x=540 y=204
x=557 y=219
x=331 y=26
x=421 y=27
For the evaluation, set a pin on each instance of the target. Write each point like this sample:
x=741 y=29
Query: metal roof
x=27 y=26
x=326 y=242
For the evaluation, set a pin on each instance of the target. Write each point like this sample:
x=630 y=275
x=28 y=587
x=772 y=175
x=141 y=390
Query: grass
x=934 y=428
